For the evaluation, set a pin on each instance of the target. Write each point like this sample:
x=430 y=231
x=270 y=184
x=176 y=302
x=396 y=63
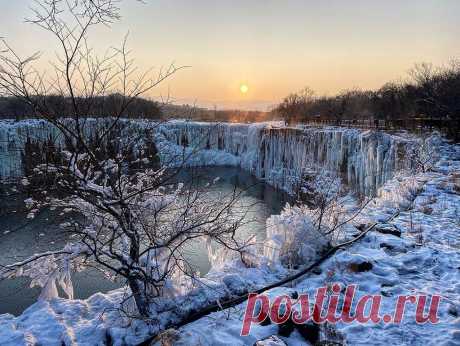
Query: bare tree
x=137 y=224
x=315 y=223
x=294 y=107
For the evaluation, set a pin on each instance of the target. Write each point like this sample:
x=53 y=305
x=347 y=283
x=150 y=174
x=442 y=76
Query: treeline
x=60 y=106
x=235 y=115
x=191 y=112
x=430 y=97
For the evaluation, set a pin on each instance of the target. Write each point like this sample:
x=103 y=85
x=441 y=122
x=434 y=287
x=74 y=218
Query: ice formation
x=278 y=154
x=271 y=151
x=14 y=135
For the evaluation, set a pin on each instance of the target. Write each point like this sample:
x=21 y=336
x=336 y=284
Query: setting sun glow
x=244 y=88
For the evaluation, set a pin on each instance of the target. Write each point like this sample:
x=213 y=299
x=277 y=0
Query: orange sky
x=273 y=46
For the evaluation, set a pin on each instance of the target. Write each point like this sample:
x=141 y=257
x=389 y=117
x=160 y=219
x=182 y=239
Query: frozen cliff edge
x=271 y=151
x=278 y=154
x=15 y=134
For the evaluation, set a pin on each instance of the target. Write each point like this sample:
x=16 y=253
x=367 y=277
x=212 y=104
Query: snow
x=400 y=266
x=424 y=259
x=293 y=238
x=62 y=321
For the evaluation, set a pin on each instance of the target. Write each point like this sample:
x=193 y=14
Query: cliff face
x=365 y=159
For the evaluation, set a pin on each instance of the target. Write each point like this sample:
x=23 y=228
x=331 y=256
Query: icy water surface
x=20 y=238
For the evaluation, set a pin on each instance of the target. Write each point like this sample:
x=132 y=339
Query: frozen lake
x=20 y=238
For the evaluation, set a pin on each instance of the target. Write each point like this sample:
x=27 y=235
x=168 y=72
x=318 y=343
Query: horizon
x=287 y=174
x=271 y=48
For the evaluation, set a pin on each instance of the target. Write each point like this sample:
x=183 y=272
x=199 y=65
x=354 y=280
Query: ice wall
x=278 y=154
x=270 y=151
x=14 y=134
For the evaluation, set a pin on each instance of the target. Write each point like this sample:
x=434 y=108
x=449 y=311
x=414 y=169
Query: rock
x=453 y=310
x=387 y=228
x=317 y=271
x=330 y=336
x=167 y=338
x=362 y=226
x=295 y=295
x=271 y=341
x=387 y=246
x=386 y=294
x=360 y=267
x=309 y=331
x=266 y=322
x=285 y=329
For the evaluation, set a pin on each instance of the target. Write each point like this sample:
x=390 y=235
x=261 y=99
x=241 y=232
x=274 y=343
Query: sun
x=244 y=88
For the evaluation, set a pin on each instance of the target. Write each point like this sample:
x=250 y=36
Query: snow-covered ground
x=424 y=259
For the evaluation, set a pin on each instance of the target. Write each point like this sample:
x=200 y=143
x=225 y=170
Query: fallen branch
x=221 y=305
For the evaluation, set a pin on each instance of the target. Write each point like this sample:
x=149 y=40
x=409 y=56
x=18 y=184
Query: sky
x=274 y=47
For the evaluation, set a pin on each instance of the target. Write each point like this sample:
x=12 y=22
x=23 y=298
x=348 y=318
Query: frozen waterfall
x=270 y=151
x=278 y=154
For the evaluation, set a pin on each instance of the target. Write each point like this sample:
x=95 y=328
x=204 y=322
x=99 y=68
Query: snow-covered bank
x=104 y=319
x=398 y=259
x=423 y=259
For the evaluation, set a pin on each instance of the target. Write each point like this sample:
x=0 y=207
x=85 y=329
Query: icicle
x=367 y=159
x=65 y=281
x=49 y=291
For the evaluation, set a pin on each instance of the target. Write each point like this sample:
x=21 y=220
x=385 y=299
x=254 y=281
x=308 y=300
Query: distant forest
x=15 y=108
x=429 y=98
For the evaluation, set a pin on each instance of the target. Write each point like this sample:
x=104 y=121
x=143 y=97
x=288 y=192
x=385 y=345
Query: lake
x=20 y=237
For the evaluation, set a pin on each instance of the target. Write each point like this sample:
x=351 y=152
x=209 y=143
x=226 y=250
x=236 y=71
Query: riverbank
x=416 y=253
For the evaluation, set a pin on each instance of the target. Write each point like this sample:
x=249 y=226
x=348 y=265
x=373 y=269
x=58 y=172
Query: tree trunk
x=139 y=297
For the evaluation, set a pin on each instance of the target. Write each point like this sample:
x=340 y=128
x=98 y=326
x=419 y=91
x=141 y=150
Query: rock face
x=277 y=154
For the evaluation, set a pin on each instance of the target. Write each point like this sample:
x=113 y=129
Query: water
x=20 y=238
